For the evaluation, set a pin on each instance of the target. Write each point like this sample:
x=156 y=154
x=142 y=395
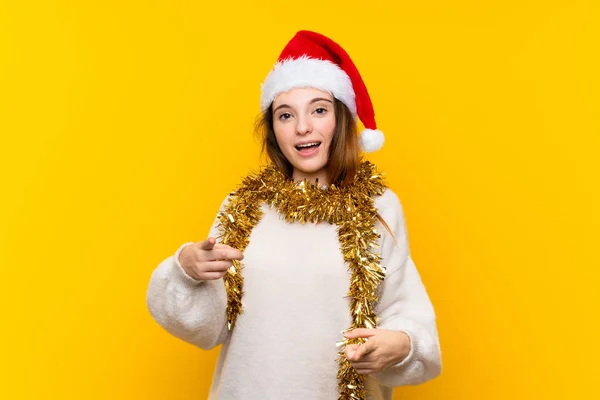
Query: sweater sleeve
x=404 y=304
x=192 y=310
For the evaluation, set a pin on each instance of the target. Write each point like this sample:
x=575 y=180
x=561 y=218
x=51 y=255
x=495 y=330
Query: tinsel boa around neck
x=351 y=208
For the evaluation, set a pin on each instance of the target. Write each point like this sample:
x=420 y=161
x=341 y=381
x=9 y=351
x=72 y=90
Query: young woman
x=306 y=279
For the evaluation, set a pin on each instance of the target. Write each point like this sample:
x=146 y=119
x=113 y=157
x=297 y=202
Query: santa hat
x=313 y=60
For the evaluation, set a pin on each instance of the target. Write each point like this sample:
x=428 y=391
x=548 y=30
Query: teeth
x=307 y=145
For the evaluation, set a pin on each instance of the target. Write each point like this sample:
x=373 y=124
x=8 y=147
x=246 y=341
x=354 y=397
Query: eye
x=285 y=116
x=321 y=110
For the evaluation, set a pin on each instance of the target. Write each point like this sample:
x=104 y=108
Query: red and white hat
x=313 y=60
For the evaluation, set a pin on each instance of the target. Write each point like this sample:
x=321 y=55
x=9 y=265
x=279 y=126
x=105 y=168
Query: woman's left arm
x=404 y=349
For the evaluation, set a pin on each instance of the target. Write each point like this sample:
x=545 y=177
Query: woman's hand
x=382 y=349
x=208 y=260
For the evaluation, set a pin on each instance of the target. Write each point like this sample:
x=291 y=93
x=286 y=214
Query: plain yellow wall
x=125 y=123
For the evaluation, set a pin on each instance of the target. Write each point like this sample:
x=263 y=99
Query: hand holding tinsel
x=379 y=349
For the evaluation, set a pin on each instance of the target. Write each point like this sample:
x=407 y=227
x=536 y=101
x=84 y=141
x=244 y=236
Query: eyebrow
x=312 y=101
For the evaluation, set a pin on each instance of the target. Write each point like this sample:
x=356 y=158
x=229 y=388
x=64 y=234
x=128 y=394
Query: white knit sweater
x=295 y=285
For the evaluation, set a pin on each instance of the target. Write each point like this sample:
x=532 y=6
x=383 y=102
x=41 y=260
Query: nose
x=304 y=126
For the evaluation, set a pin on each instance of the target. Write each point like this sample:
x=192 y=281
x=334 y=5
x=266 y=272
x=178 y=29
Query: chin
x=308 y=167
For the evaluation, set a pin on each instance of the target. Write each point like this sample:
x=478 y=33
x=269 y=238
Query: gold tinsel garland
x=350 y=207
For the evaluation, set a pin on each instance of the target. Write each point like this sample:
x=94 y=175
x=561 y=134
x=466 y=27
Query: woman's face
x=304 y=124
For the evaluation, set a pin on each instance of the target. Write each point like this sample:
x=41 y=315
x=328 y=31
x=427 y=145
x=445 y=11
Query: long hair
x=343 y=158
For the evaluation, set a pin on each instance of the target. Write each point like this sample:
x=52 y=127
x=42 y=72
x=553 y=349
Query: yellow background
x=124 y=124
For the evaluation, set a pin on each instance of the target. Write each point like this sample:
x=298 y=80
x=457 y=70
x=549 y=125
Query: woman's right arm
x=191 y=309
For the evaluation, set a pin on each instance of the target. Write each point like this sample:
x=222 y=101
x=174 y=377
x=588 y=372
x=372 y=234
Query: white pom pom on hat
x=371 y=140
x=313 y=60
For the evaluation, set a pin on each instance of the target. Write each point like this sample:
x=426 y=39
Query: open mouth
x=305 y=147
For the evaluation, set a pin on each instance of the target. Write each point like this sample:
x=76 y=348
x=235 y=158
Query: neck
x=311 y=177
